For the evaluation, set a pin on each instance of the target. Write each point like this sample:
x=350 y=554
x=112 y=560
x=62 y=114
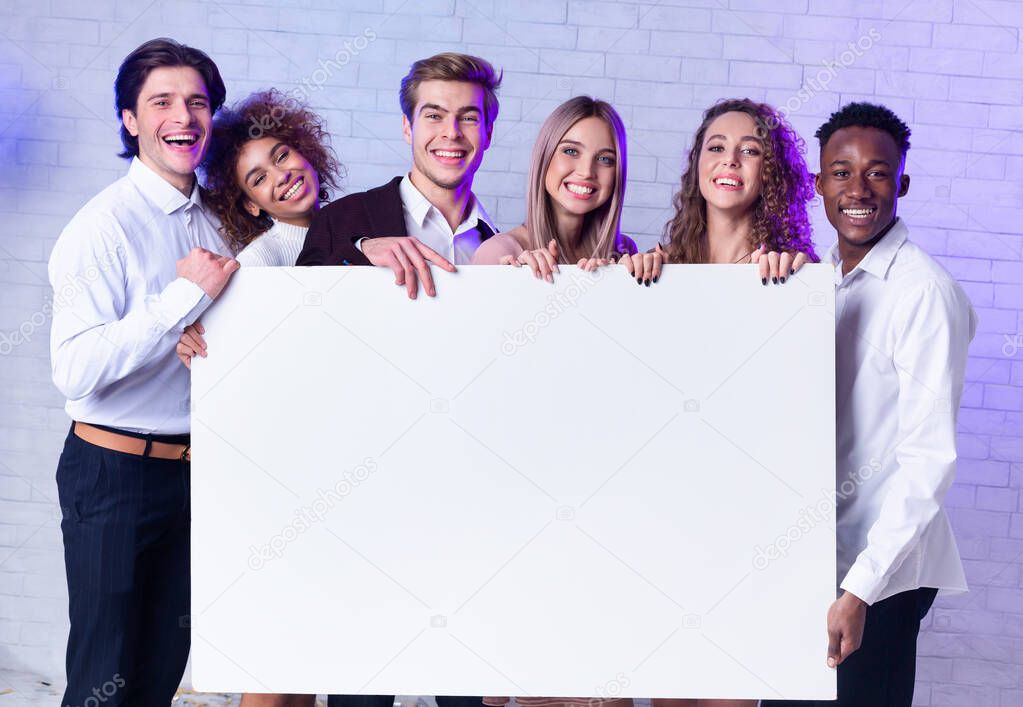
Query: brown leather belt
x=132 y=445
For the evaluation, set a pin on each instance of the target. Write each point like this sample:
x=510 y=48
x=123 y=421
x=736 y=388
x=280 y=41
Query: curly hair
x=779 y=216
x=263 y=114
x=866 y=115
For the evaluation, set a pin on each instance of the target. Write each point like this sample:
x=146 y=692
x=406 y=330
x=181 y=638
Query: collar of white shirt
x=158 y=190
x=419 y=207
x=879 y=259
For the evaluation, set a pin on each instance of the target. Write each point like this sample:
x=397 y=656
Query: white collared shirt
x=903 y=327
x=119 y=308
x=424 y=221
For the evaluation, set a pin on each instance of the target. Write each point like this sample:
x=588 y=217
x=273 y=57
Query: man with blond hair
x=429 y=215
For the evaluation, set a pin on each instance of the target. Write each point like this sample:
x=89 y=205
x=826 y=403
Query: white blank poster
x=586 y=488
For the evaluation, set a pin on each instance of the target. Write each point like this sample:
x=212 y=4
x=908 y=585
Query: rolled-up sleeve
x=93 y=341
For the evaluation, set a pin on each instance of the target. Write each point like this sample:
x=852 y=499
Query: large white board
x=589 y=488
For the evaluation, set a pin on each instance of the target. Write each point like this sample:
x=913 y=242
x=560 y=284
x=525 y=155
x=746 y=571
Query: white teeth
x=727 y=182
x=578 y=189
x=184 y=139
x=858 y=213
x=448 y=153
x=294 y=190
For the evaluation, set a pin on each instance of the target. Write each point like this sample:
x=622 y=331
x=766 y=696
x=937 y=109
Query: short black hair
x=151 y=55
x=866 y=115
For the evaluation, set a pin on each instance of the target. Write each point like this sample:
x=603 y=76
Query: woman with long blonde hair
x=575 y=194
x=573 y=214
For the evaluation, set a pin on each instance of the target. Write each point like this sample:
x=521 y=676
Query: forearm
x=88 y=353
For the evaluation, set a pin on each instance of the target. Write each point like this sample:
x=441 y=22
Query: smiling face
x=172 y=121
x=448 y=133
x=731 y=161
x=861 y=179
x=582 y=171
x=278 y=180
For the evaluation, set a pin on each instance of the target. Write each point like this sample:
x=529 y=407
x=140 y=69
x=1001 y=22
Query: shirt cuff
x=358 y=244
x=181 y=302
x=863 y=583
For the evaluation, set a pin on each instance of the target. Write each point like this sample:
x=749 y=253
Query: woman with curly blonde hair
x=744 y=192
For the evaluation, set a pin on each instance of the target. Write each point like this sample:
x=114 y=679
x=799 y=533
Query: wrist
x=852 y=600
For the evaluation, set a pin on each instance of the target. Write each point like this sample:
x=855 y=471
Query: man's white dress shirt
x=119 y=308
x=424 y=221
x=903 y=329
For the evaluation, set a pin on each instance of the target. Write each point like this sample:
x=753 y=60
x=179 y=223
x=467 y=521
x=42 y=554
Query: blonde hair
x=451 y=66
x=601 y=235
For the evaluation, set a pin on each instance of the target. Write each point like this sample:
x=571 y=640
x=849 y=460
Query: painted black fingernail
x=655 y=279
x=763 y=281
x=639 y=281
x=646 y=282
x=774 y=280
x=783 y=279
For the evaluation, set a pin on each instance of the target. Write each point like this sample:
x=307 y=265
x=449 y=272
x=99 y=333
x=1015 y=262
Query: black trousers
x=388 y=701
x=882 y=672
x=126 y=550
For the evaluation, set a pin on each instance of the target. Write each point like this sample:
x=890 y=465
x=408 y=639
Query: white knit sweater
x=276 y=247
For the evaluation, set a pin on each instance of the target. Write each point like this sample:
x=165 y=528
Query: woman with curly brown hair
x=269 y=168
x=745 y=189
x=742 y=200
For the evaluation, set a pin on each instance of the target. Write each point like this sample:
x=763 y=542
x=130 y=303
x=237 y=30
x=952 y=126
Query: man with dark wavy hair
x=139 y=262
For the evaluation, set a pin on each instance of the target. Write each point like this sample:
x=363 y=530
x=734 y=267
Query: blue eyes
x=605 y=159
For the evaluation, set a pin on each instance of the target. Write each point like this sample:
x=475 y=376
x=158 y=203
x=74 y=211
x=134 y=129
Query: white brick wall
x=952 y=69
